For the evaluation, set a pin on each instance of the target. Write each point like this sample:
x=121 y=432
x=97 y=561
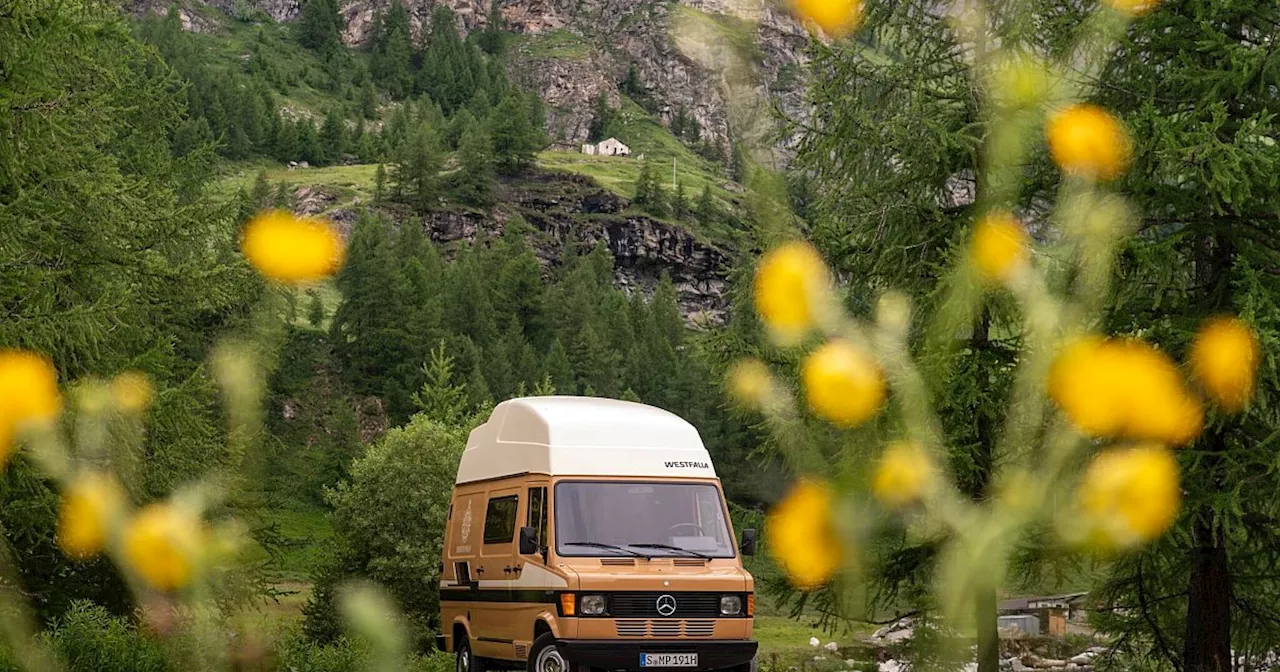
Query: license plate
x=668 y=660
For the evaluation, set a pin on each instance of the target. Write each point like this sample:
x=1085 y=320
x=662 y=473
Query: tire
x=464 y=659
x=545 y=656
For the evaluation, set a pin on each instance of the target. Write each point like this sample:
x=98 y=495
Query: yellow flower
x=790 y=289
x=88 y=506
x=903 y=475
x=1123 y=387
x=131 y=391
x=843 y=384
x=1087 y=141
x=836 y=18
x=1020 y=80
x=28 y=394
x=292 y=249
x=750 y=383
x=1224 y=358
x=1130 y=495
x=1131 y=7
x=801 y=537
x=161 y=543
x=998 y=246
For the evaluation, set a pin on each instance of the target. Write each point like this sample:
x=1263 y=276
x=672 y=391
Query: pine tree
x=260 y=197
x=315 y=309
x=380 y=184
x=415 y=173
x=631 y=86
x=680 y=203
x=319 y=26
x=559 y=370
x=493 y=38
x=601 y=118
x=392 y=62
x=333 y=137
x=515 y=140
x=706 y=213
x=442 y=398
x=474 y=181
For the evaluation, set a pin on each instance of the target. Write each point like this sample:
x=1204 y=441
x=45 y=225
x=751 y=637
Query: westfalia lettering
x=692 y=465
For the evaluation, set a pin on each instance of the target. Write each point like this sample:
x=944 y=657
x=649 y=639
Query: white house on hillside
x=610 y=147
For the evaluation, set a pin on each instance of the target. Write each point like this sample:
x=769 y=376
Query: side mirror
x=528 y=541
x=748 y=545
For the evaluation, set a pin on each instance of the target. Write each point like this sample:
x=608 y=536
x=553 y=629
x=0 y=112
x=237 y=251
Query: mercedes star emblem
x=666 y=605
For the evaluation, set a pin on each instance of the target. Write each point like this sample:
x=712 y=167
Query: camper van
x=592 y=533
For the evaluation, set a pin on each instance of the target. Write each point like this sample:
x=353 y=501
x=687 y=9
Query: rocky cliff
x=573 y=50
x=566 y=209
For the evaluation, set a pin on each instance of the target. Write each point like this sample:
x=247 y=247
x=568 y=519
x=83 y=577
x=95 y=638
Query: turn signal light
x=751 y=604
x=568 y=604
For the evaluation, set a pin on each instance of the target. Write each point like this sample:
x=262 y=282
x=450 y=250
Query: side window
x=537 y=518
x=500 y=520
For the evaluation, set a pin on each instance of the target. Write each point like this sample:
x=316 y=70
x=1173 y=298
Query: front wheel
x=546 y=656
x=464 y=659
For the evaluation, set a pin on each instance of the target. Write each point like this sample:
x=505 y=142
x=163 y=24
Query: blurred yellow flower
x=1130 y=495
x=131 y=391
x=1123 y=387
x=292 y=249
x=998 y=246
x=1224 y=358
x=1132 y=7
x=750 y=383
x=843 y=384
x=801 y=537
x=1087 y=141
x=1020 y=80
x=88 y=505
x=790 y=289
x=903 y=475
x=836 y=18
x=28 y=394
x=161 y=543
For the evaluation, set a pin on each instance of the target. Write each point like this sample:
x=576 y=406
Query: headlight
x=591 y=605
x=730 y=605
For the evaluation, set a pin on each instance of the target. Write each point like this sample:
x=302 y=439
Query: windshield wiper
x=669 y=547
x=597 y=544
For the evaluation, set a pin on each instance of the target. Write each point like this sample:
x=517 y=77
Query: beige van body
x=629 y=559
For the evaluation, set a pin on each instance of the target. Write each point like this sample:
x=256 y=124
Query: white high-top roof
x=583 y=436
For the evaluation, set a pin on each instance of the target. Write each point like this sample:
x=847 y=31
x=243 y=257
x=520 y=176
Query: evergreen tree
x=367 y=329
x=319 y=26
x=415 y=173
x=493 y=38
x=442 y=398
x=474 y=181
x=380 y=184
x=559 y=370
x=515 y=140
x=260 y=197
x=392 y=52
x=706 y=213
x=631 y=86
x=368 y=101
x=333 y=137
x=680 y=203
x=315 y=310
x=450 y=67
x=649 y=196
x=601 y=118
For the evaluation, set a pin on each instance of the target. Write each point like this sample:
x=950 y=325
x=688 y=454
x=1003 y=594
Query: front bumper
x=611 y=654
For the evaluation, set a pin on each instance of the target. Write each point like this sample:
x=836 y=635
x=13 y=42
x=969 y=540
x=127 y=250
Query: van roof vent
x=689 y=562
x=618 y=562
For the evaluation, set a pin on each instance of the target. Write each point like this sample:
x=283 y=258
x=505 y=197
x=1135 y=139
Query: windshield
x=650 y=519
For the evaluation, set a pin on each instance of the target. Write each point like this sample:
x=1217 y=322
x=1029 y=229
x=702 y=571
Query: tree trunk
x=1208 y=636
x=988 y=632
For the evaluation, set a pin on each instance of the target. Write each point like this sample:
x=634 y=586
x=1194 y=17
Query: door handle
x=515 y=568
x=479 y=570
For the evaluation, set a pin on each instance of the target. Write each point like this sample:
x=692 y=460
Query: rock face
x=572 y=210
x=605 y=38
x=567 y=209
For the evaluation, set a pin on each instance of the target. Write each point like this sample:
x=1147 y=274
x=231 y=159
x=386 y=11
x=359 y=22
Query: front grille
x=645 y=605
x=664 y=627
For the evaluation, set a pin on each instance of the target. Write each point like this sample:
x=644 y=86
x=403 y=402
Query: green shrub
x=89 y=638
x=389 y=525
